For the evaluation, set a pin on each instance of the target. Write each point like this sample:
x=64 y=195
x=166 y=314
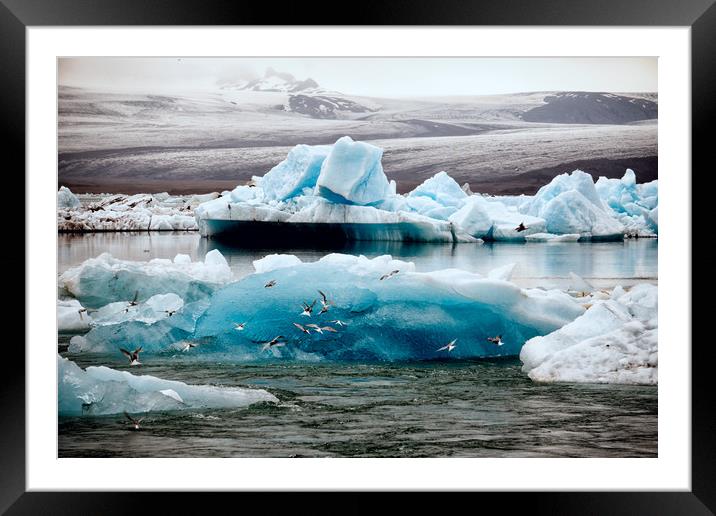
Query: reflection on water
x=538 y=264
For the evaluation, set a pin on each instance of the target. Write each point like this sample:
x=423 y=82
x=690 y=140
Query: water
x=446 y=409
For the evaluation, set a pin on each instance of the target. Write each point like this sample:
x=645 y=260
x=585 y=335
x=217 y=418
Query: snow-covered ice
x=615 y=341
x=345 y=184
x=101 y=390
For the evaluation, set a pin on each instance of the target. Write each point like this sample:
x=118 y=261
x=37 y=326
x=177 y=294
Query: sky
x=375 y=77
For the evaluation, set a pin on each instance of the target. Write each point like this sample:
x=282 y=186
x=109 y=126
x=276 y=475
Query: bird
x=133 y=302
x=304 y=330
x=135 y=422
x=276 y=341
x=338 y=322
x=270 y=284
x=133 y=356
x=521 y=227
x=324 y=303
x=388 y=275
x=496 y=340
x=308 y=309
x=239 y=327
x=188 y=346
x=329 y=328
x=317 y=328
x=80 y=312
x=170 y=312
x=449 y=346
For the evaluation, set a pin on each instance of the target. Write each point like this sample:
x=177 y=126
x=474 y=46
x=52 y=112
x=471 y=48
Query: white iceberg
x=105 y=279
x=101 y=390
x=615 y=341
x=299 y=170
x=72 y=317
x=352 y=173
x=66 y=199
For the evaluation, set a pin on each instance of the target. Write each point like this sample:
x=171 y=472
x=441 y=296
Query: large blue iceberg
x=344 y=186
x=375 y=310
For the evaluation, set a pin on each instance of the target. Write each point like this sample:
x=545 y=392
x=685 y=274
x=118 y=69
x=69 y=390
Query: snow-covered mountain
x=273 y=81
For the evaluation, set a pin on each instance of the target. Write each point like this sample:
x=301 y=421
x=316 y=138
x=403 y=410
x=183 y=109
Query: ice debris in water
x=345 y=184
x=105 y=279
x=140 y=212
x=399 y=317
x=615 y=341
x=101 y=390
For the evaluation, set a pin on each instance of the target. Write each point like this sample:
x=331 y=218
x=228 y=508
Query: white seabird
x=449 y=346
x=132 y=356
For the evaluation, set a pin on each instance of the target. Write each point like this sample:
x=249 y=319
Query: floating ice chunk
x=72 y=317
x=441 y=188
x=275 y=261
x=103 y=280
x=299 y=170
x=352 y=174
x=400 y=317
x=551 y=237
x=77 y=344
x=615 y=341
x=100 y=390
x=66 y=199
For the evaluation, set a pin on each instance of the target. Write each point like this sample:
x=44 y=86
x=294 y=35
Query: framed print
x=420 y=253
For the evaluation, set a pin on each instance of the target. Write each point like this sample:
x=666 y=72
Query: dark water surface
x=441 y=409
x=445 y=409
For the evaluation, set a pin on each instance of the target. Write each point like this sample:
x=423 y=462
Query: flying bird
x=496 y=340
x=388 y=275
x=133 y=356
x=316 y=328
x=521 y=227
x=133 y=302
x=270 y=284
x=188 y=346
x=308 y=309
x=239 y=327
x=276 y=341
x=304 y=330
x=170 y=312
x=449 y=346
x=338 y=322
x=325 y=304
x=135 y=422
x=80 y=312
x=329 y=328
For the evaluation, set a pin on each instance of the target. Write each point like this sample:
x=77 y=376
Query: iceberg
x=384 y=315
x=66 y=199
x=105 y=279
x=352 y=173
x=299 y=170
x=101 y=390
x=340 y=192
x=633 y=204
x=614 y=341
x=72 y=317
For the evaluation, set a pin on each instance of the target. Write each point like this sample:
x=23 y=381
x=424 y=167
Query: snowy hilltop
x=344 y=184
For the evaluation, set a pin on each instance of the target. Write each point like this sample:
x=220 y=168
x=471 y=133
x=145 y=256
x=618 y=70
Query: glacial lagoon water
x=438 y=408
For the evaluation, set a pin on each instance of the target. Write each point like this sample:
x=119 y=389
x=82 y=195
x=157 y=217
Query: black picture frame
x=17 y=15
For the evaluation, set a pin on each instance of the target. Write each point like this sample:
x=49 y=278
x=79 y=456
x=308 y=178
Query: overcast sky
x=377 y=77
